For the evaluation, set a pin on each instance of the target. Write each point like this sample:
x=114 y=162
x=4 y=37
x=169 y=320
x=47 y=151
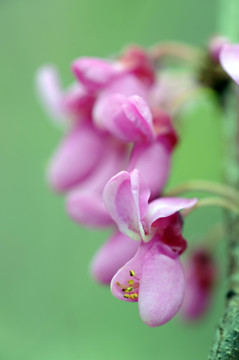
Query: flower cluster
x=113 y=164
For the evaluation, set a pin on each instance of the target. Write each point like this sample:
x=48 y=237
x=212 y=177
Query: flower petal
x=85 y=203
x=229 y=59
x=87 y=208
x=94 y=73
x=129 y=119
x=161 y=287
x=112 y=256
x=50 y=92
x=129 y=276
x=126 y=199
x=165 y=207
x=153 y=162
x=70 y=165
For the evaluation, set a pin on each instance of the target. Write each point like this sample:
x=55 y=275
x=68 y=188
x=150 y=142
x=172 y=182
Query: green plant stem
x=213 y=201
x=206 y=186
x=226 y=341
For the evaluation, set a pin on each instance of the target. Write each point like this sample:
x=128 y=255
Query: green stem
x=213 y=201
x=226 y=342
x=175 y=50
x=205 y=186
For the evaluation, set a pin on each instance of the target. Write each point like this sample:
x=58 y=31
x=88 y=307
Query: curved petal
x=94 y=73
x=229 y=59
x=111 y=256
x=70 y=165
x=165 y=207
x=85 y=203
x=126 y=199
x=201 y=275
x=153 y=161
x=129 y=119
x=50 y=92
x=129 y=277
x=127 y=85
x=87 y=208
x=161 y=288
x=77 y=101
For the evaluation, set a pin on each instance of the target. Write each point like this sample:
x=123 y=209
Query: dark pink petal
x=77 y=101
x=50 y=92
x=229 y=59
x=161 y=288
x=137 y=61
x=201 y=275
x=165 y=207
x=153 y=162
x=112 y=256
x=126 y=199
x=76 y=157
x=94 y=73
x=129 y=119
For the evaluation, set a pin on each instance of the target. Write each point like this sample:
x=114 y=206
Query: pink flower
x=201 y=275
x=154 y=276
x=106 y=112
x=229 y=60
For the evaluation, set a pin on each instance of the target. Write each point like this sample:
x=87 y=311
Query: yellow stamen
x=131 y=282
x=127 y=296
x=133 y=296
x=132 y=273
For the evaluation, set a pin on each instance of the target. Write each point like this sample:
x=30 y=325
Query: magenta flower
x=154 y=276
x=229 y=60
x=201 y=274
x=107 y=112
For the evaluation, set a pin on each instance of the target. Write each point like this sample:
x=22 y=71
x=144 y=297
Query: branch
x=226 y=341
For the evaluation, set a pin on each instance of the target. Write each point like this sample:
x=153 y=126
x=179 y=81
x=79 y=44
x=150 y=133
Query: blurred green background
x=50 y=309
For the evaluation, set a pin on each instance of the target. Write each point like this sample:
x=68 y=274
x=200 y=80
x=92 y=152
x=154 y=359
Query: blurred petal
x=112 y=256
x=94 y=73
x=161 y=287
x=201 y=273
x=127 y=85
x=137 y=61
x=85 y=204
x=77 y=101
x=165 y=207
x=229 y=59
x=50 y=92
x=87 y=208
x=126 y=199
x=70 y=165
x=153 y=162
x=129 y=119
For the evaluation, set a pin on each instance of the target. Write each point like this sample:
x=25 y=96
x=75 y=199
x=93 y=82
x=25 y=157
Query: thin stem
x=175 y=50
x=213 y=201
x=205 y=186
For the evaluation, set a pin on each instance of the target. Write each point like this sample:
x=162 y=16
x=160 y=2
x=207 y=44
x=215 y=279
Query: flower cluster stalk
x=226 y=340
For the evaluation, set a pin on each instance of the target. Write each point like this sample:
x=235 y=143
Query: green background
x=50 y=309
